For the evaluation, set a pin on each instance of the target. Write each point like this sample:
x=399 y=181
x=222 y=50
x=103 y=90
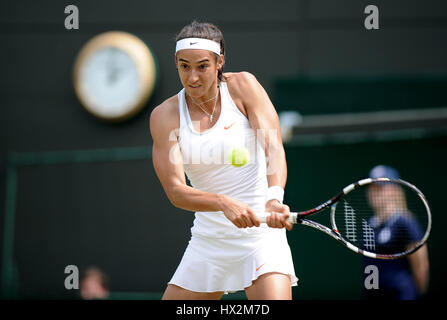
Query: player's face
x=374 y=197
x=198 y=71
x=384 y=199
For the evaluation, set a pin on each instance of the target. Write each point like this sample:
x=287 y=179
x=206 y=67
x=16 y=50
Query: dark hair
x=204 y=30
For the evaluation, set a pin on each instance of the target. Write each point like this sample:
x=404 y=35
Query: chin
x=196 y=92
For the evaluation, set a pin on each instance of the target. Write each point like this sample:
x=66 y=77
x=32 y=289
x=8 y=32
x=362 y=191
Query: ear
x=221 y=62
x=175 y=60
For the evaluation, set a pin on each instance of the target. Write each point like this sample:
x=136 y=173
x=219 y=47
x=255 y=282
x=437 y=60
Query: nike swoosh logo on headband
x=192 y=43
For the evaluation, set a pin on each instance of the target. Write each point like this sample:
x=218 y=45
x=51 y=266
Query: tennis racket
x=379 y=218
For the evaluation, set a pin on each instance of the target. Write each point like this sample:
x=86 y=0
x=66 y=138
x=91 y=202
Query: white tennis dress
x=220 y=256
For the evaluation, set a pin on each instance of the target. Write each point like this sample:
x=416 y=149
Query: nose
x=193 y=76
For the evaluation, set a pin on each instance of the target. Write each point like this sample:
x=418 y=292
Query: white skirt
x=230 y=265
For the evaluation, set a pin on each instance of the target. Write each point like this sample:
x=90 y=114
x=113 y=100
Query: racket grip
x=292 y=217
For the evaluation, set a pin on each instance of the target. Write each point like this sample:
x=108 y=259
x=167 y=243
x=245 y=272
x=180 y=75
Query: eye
x=203 y=66
x=184 y=66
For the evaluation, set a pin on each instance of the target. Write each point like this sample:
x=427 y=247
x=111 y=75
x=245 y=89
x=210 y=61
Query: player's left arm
x=418 y=260
x=420 y=268
x=265 y=122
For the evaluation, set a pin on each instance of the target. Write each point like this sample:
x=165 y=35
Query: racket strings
x=350 y=222
x=382 y=217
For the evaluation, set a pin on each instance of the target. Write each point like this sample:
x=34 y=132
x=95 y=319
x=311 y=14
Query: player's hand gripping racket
x=380 y=218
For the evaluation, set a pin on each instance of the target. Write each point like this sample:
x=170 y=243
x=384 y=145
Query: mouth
x=194 y=87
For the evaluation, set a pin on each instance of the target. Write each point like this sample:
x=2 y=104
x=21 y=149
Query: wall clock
x=114 y=75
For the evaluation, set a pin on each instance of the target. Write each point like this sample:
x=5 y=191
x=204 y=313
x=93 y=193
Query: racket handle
x=292 y=217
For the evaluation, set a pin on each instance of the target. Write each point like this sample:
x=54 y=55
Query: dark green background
x=311 y=56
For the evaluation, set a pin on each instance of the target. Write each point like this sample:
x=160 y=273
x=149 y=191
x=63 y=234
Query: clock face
x=114 y=75
x=110 y=82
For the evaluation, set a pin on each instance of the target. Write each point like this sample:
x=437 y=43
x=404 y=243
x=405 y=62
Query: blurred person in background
x=400 y=279
x=94 y=284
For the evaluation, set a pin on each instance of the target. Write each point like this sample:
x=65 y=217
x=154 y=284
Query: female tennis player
x=199 y=131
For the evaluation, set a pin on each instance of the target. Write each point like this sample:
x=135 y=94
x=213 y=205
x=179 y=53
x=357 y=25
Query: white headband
x=198 y=43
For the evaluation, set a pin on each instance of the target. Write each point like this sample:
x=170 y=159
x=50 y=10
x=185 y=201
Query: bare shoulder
x=240 y=82
x=164 y=117
x=245 y=90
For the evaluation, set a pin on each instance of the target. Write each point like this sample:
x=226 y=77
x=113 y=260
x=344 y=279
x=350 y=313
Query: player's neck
x=208 y=100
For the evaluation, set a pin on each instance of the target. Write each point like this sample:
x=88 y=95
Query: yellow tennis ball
x=239 y=156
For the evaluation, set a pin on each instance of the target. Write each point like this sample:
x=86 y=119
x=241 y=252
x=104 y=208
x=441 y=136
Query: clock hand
x=112 y=68
x=113 y=75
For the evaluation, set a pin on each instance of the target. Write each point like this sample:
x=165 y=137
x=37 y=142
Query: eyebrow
x=204 y=60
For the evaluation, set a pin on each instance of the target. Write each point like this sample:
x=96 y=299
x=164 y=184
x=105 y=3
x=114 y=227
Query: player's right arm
x=168 y=165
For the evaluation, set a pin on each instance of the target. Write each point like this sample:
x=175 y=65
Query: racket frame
x=299 y=218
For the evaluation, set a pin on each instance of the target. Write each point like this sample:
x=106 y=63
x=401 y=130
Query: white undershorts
x=230 y=265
